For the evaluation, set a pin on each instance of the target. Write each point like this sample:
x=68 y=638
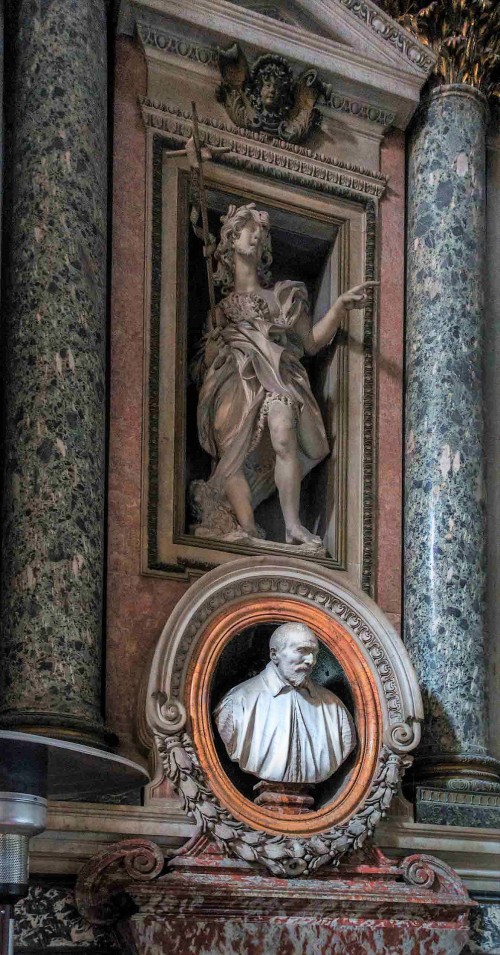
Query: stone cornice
x=162 y=40
x=369 y=62
x=269 y=153
x=76 y=831
x=387 y=28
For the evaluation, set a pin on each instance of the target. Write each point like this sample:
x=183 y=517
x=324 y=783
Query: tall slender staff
x=197 y=154
x=207 y=238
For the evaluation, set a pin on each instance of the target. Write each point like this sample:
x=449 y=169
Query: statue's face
x=250 y=240
x=295 y=659
x=271 y=91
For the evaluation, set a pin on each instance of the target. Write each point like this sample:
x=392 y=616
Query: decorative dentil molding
x=318 y=170
x=157 y=38
x=464 y=797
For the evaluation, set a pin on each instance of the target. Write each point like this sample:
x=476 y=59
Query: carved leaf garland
x=284 y=856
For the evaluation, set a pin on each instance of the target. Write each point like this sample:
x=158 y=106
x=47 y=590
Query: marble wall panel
x=137 y=606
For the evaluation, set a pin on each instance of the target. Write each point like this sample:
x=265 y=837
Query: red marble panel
x=137 y=606
x=390 y=379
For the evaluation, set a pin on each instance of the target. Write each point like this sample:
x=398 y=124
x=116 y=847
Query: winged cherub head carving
x=267 y=98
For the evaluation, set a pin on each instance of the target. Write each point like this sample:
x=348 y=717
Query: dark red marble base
x=284 y=798
x=209 y=905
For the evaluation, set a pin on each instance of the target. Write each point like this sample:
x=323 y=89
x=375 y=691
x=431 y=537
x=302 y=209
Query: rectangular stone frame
x=275 y=174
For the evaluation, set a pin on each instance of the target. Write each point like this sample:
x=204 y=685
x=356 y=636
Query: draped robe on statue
x=284 y=733
x=259 y=361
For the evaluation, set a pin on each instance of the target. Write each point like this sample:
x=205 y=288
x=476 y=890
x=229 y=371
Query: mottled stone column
x=444 y=499
x=55 y=328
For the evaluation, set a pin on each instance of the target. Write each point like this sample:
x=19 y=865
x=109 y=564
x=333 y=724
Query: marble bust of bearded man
x=282 y=726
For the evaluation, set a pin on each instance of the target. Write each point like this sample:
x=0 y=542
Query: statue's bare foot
x=254 y=530
x=297 y=534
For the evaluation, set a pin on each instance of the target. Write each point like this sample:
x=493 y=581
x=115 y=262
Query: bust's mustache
x=300 y=674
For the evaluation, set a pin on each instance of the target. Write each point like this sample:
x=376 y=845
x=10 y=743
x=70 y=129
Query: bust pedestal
x=284 y=798
x=207 y=903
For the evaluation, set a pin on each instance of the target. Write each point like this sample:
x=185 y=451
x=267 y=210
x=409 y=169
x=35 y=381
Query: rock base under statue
x=284 y=798
x=217 y=906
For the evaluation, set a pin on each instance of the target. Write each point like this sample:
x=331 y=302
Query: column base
x=59 y=726
x=458 y=790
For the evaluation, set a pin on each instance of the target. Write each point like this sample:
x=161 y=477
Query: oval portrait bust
x=295 y=710
x=284 y=714
x=284 y=724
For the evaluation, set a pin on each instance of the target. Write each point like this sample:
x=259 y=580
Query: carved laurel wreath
x=284 y=856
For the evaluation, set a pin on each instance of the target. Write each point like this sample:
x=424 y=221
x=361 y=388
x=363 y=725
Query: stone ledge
x=77 y=831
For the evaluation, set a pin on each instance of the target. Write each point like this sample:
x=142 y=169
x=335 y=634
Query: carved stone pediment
x=356 y=49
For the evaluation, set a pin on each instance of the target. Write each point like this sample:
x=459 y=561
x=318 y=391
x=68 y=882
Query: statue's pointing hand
x=357 y=297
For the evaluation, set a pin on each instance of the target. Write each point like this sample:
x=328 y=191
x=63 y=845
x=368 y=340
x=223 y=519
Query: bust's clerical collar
x=276 y=684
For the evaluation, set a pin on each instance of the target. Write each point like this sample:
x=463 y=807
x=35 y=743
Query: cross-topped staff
x=197 y=155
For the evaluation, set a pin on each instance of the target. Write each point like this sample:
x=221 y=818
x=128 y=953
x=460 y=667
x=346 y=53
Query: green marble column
x=457 y=781
x=55 y=342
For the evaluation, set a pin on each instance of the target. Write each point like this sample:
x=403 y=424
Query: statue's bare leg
x=287 y=473
x=238 y=494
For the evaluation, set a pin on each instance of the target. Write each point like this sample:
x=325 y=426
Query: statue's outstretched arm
x=323 y=331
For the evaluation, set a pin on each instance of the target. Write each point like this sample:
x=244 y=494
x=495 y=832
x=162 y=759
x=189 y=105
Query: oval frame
x=174 y=722
x=368 y=714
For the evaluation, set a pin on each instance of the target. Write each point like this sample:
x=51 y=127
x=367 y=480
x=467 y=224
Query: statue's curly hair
x=232 y=225
x=271 y=64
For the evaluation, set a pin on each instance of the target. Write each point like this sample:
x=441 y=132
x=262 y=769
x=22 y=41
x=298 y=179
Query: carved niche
x=215 y=639
x=323 y=216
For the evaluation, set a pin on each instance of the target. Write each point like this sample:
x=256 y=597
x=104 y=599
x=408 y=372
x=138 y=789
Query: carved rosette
x=176 y=724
